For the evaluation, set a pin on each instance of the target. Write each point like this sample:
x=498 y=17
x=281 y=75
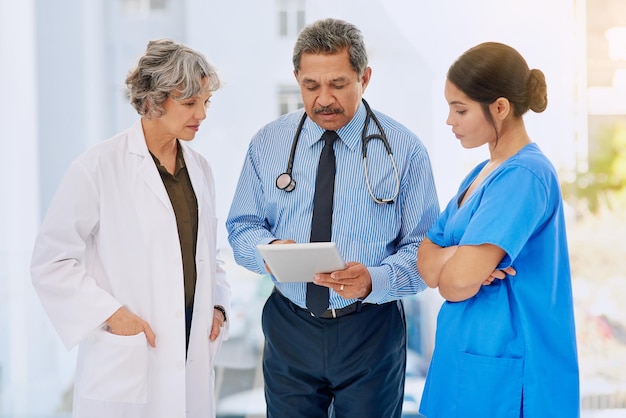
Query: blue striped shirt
x=383 y=237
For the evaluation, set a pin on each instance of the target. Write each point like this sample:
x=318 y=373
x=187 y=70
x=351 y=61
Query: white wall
x=24 y=330
x=545 y=33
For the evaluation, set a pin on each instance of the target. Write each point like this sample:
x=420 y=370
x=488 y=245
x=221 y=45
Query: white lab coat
x=110 y=239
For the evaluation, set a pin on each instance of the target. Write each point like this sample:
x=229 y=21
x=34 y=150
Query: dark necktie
x=317 y=296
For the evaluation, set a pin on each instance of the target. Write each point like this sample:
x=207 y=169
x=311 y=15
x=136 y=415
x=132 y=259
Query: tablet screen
x=300 y=262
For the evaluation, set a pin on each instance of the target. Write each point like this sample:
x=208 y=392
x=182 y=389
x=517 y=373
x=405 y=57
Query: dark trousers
x=356 y=362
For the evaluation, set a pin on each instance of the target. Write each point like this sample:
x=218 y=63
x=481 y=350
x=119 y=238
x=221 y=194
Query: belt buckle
x=333 y=313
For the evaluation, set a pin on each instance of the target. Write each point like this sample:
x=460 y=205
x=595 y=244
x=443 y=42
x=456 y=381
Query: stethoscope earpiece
x=285 y=182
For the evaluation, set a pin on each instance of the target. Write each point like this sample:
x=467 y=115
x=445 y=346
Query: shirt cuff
x=380 y=284
x=259 y=258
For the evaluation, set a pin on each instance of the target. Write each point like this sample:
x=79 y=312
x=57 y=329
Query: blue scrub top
x=509 y=351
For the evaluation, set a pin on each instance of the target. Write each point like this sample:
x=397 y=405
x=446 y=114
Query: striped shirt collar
x=349 y=134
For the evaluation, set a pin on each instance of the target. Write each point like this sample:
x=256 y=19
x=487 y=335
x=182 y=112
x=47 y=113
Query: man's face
x=331 y=89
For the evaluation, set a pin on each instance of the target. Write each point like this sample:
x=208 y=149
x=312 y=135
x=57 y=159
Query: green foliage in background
x=606 y=177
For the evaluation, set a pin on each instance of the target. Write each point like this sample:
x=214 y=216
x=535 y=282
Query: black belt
x=329 y=313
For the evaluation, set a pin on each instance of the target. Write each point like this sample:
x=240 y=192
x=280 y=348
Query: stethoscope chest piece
x=285 y=182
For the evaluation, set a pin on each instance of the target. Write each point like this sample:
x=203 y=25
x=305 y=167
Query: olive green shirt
x=183 y=198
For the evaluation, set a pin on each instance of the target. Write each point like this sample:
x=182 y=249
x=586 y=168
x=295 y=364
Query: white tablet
x=300 y=262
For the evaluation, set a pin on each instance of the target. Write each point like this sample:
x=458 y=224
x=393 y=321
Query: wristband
x=222 y=310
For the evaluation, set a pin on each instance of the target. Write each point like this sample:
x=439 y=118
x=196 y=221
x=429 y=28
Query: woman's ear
x=500 y=108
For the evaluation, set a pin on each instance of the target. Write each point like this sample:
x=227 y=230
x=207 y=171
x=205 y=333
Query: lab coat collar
x=147 y=168
x=150 y=173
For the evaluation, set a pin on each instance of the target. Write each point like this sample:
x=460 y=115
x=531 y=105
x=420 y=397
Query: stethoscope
x=286 y=182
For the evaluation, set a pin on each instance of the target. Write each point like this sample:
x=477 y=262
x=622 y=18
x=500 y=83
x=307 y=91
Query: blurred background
x=62 y=71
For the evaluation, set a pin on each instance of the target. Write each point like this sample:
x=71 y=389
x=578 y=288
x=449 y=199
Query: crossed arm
x=460 y=271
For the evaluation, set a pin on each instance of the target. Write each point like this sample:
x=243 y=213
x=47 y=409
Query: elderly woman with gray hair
x=125 y=263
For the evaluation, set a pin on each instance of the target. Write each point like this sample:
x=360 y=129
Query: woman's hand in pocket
x=124 y=322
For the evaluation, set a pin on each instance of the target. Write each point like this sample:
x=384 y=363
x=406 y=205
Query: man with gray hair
x=362 y=180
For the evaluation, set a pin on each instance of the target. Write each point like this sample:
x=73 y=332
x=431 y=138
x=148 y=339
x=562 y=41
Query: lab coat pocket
x=214 y=346
x=116 y=368
x=489 y=387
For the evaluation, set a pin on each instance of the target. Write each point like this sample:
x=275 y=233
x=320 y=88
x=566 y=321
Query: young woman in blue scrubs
x=505 y=344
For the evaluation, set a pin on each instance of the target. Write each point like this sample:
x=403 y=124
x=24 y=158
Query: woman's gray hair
x=330 y=36
x=168 y=69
